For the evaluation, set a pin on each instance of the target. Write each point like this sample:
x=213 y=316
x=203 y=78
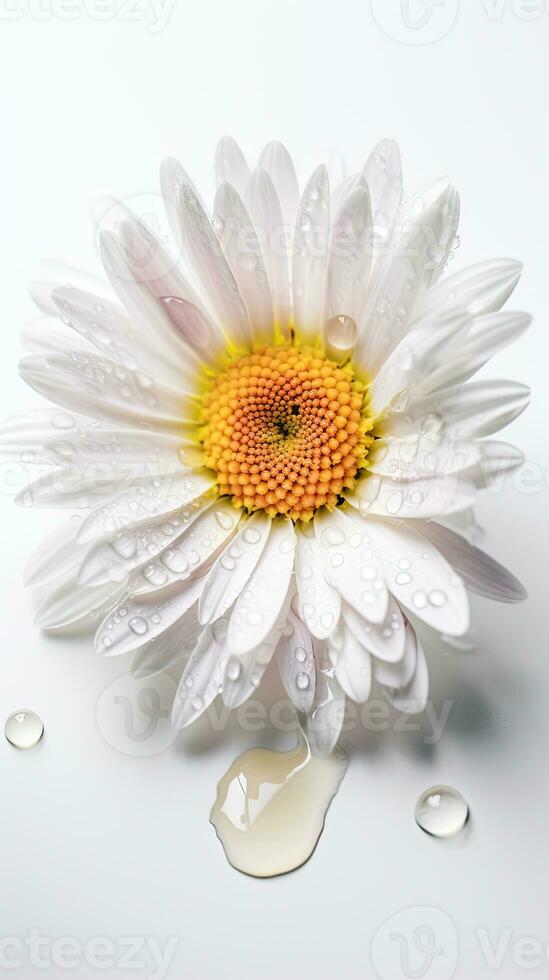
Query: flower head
x=272 y=440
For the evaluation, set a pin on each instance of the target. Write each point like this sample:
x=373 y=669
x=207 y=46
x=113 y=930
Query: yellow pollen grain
x=286 y=431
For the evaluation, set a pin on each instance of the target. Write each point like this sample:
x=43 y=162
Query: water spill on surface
x=270 y=807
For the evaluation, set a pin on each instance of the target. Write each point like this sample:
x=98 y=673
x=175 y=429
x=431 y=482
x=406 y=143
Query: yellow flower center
x=286 y=431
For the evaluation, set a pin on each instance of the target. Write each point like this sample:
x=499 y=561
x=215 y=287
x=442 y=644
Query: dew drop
x=419 y=599
x=302 y=681
x=251 y=535
x=225 y=521
x=124 y=544
x=301 y=655
x=441 y=811
x=403 y=578
x=233 y=669
x=438 y=598
x=138 y=625
x=340 y=335
x=228 y=563
x=24 y=729
x=175 y=561
x=332 y=535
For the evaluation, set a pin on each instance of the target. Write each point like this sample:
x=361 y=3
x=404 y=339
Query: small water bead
x=302 y=681
x=301 y=655
x=251 y=535
x=438 y=598
x=404 y=564
x=138 y=625
x=175 y=561
x=254 y=617
x=441 y=811
x=228 y=563
x=155 y=574
x=225 y=521
x=419 y=599
x=333 y=535
x=337 y=560
x=24 y=729
x=403 y=578
x=233 y=670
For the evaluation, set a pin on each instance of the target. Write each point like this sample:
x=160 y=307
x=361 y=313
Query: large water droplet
x=441 y=811
x=138 y=625
x=332 y=535
x=340 y=335
x=24 y=729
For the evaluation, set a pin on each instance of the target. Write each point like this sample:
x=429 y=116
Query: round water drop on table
x=24 y=729
x=441 y=811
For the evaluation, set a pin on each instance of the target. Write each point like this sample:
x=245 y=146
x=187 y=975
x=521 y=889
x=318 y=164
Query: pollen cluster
x=285 y=430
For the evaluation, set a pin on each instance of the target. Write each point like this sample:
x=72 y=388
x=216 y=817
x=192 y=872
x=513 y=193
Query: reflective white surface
x=107 y=843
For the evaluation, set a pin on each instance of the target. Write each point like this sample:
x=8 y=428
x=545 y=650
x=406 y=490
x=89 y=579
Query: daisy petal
x=350 y=255
x=481 y=573
x=173 y=645
x=96 y=386
x=276 y=160
x=351 y=565
x=262 y=201
x=296 y=664
x=243 y=674
x=112 y=559
x=202 y=678
x=465 y=411
x=374 y=496
x=412 y=699
x=145 y=502
x=323 y=723
x=398 y=675
x=420 y=456
x=138 y=620
x=230 y=572
x=257 y=608
x=478 y=289
x=192 y=554
x=205 y=256
x=68 y=603
x=421 y=579
x=414 y=262
x=243 y=253
x=319 y=603
x=311 y=256
x=385 y=640
x=383 y=173
x=230 y=164
x=352 y=663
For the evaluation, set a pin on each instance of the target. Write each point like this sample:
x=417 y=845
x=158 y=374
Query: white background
x=98 y=843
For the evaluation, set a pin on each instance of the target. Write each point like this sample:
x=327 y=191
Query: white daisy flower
x=273 y=440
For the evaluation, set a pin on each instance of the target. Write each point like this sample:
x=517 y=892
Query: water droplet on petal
x=302 y=681
x=138 y=625
x=233 y=670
